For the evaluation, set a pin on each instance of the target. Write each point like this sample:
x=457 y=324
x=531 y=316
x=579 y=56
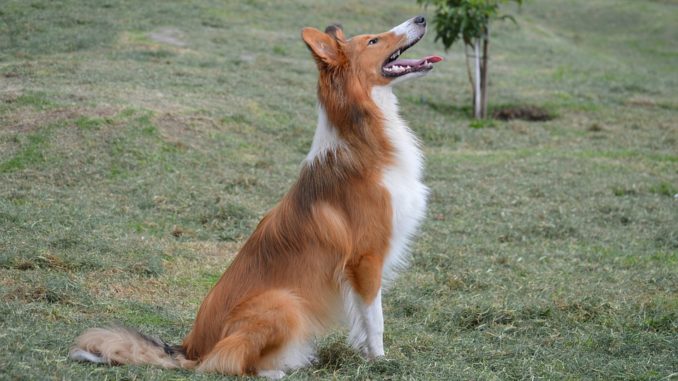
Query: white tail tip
x=81 y=355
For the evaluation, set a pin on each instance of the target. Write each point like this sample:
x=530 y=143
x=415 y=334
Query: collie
x=323 y=254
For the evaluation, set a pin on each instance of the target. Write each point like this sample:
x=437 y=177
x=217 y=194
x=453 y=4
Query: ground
x=141 y=142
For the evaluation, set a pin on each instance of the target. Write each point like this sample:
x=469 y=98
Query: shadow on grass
x=448 y=108
x=336 y=356
x=504 y=112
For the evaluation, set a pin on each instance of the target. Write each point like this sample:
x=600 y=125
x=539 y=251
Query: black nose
x=420 y=20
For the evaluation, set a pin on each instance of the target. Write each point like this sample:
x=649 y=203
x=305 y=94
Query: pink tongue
x=406 y=62
x=414 y=63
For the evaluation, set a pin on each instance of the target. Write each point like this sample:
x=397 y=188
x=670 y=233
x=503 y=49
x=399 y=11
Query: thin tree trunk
x=468 y=72
x=477 y=95
x=483 y=76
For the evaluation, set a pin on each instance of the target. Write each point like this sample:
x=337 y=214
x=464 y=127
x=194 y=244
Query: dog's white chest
x=403 y=181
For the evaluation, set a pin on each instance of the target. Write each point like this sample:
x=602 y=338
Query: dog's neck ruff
x=403 y=181
x=325 y=140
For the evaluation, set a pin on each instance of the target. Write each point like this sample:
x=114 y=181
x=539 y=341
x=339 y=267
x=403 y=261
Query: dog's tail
x=120 y=345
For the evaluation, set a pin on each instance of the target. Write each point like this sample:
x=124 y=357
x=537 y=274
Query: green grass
x=133 y=166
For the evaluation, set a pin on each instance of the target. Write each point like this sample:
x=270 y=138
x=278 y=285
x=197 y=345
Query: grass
x=140 y=144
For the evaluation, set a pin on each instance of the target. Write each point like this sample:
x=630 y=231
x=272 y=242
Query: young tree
x=470 y=21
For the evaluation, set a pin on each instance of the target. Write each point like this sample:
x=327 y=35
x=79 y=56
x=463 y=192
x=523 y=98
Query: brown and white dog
x=323 y=253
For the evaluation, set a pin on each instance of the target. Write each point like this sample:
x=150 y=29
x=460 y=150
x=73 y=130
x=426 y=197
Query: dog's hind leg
x=255 y=333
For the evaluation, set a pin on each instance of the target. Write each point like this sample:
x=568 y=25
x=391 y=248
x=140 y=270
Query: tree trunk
x=483 y=76
x=469 y=73
x=476 y=85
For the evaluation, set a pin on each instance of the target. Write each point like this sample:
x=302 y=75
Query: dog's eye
x=372 y=41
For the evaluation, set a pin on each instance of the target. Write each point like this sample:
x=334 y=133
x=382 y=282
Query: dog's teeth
x=397 y=68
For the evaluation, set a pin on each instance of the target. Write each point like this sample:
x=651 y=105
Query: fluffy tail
x=119 y=345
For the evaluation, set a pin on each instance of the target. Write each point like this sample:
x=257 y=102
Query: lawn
x=140 y=142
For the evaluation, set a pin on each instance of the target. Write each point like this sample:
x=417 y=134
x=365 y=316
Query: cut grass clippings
x=140 y=145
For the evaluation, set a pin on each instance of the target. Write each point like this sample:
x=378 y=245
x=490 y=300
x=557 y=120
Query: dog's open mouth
x=394 y=67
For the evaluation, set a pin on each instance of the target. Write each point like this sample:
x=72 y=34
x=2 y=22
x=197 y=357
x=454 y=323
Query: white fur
x=271 y=374
x=403 y=181
x=296 y=355
x=353 y=309
x=409 y=29
x=374 y=322
x=325 y=139
x=366 y=322
x=83 y=355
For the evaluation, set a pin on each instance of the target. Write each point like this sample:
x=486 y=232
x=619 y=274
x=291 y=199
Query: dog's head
x=371 y=58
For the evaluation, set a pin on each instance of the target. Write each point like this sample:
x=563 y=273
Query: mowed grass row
x=140 y=143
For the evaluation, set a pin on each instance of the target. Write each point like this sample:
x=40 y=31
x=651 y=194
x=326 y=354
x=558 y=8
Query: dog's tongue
x=415 y=62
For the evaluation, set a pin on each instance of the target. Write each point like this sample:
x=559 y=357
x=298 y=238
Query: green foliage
x=465 y=19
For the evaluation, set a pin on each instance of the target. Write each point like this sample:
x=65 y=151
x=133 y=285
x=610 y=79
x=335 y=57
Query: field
x=141 y=142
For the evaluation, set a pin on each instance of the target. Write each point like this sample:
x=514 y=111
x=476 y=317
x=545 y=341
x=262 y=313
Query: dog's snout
x=414 y=28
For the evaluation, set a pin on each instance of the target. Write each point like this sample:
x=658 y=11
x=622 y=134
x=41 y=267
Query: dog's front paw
x=375 y=348
x=373 y=355
x=271 y=374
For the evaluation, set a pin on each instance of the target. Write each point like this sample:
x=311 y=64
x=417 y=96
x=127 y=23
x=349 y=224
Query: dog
x=322 y=255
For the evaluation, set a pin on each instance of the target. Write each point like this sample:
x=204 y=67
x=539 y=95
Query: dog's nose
x=420 y=20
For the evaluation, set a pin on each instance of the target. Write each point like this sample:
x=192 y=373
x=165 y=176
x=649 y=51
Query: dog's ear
x=336 y=31
x=324 y=47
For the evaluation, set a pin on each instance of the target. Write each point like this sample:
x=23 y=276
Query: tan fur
x=334 y=225
x=119 y=345
x=260 y=327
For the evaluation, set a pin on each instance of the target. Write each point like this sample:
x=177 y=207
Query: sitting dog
x=323 y=253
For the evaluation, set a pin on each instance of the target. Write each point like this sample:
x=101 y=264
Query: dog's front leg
x=374 y=324
x=366 y=323
x=355 y=314
x=363 y=302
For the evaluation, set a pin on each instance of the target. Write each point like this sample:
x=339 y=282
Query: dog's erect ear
x=325 y=49
x=336 y=31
